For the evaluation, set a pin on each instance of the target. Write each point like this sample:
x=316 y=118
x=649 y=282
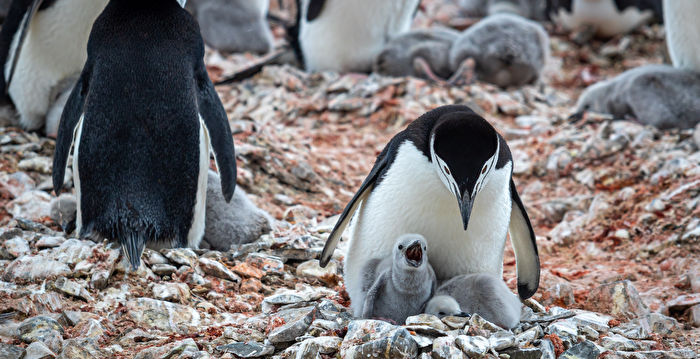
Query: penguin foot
x=464 y=74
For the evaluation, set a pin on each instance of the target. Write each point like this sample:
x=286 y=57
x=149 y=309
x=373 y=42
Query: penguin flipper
x=212 y=113
x=522 y=236
x=346 y=216
x=314 y=10
x=371 y=296
x=15 y=52
x=72 y=113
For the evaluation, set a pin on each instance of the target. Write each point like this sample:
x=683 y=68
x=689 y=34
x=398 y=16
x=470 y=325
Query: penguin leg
x=464 y=74
x=423 y=69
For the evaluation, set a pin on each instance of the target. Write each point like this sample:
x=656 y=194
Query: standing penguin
x=42 y=44
x=448 y=177
x=141 y=119
x=606 y=18
x=346 y=36
x=683 y=33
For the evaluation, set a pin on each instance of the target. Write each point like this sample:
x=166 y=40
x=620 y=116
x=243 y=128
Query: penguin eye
x=447 y=170
x=484 y=170
x=400 y=247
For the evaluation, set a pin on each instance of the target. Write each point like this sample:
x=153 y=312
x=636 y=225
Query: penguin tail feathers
x=133 y=243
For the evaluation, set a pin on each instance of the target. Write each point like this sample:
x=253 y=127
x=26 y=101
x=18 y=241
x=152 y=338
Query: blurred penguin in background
x=233 y=25
x=603 y=18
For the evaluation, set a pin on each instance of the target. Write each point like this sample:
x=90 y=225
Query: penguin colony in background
x=444 y=183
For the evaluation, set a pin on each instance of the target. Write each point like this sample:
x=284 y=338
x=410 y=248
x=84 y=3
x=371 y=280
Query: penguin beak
x=414 y=254
x=463 y=314
x=465 y=207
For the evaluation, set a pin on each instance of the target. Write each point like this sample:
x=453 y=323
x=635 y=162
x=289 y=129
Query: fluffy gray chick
x=508 y=49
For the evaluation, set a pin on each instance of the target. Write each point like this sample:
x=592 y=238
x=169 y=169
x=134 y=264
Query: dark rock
x=290 y=331
x=524 y=353
x=583 y=350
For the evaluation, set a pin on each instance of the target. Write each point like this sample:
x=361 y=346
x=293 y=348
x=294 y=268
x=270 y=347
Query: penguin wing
x=371 y=296
x=346 y=216
x=522 y=236
x=27 y=9
x=72 y=112
x=212 y=113
x=314 y=10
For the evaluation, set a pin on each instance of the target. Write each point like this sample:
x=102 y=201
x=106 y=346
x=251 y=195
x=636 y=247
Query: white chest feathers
x=412 y=199
x=683 y=33
x=54 y=49
x=603 y=15
x=348 y=35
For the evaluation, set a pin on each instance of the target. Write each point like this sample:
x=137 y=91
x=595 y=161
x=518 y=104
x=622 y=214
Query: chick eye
x=441 y=313
x=400 y=247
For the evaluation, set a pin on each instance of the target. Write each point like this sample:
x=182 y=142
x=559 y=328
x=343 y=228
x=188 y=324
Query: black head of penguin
x=464 y=149
x=137 y=113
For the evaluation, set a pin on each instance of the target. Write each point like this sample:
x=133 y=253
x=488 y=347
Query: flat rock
x=247 y=350
x=72 y=288
x=292 y=330
x=620 y=299
x=312 y=269
x=427 y=320
x=16 y=247
x=683 y=302
x=583 y=350
x=73 y=251
x=218 y=269
x=163 y=269
x=181 y=256
x=473 y=346
x=169 y=317
x=447 y=348
x=33 y=205
x=38 y=350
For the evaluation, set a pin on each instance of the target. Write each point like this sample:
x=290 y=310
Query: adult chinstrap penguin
x=448 y=177
x=42 y=45
x=346 y=36
x=140 y=120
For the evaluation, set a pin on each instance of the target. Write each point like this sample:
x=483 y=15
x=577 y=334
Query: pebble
x=473 y=346
x=247 y=349
x=72 y=288
x=49 y=242
x=582 y=350
x=180 y=349
x=163 y=269
x=16 y=247
x=370 y=337
x=38 y=350
x=312 y=269
x=620 y=299
x=157 y=314
x=171 y=292
x=181 y=256
x=218 y=269
x=447 y=348
x=31 y=268
x=33 y=205
x=42 y=329
x=427 y=320
x=36 y=164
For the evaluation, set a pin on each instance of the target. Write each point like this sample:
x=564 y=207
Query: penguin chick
x=482 y=294
x=443 y=305
x=657 y=95
x=404 y=282
x=144 y=95
x=683 y=33
x=234 y=25
x=605 y=18
x=509 y=50
x=63 y=210
x=406 y=54
x=237 y=222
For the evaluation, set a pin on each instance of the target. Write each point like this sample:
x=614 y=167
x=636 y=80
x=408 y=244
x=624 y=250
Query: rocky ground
x=614 y=205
